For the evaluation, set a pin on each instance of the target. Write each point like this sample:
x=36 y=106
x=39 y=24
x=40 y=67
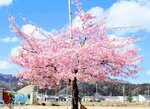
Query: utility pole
x=9 y=85
x=96 y=90
x=123 y=91
x=148 y=90
x=68 y=97
x=96 y=95
x=145 y=91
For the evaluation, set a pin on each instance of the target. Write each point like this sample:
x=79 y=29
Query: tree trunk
x=75 y=92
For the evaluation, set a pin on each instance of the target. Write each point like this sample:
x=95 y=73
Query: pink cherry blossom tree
x=91 y=54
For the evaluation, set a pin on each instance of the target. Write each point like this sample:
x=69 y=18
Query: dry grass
x=64 y=107
x=88 y=105
x=102 y=104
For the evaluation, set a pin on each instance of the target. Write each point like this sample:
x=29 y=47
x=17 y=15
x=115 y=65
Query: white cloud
x=5 y=65
x=28 y=28
x=96 y=11
x=9 y=39
x=124 y=13
x=15 y=51
x=130 y=13
x=5 y=2
x=148 y=72
x=77 y=22
x=31 y=29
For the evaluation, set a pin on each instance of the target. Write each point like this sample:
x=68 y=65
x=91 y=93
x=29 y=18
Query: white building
x=104 y=98
x=88 y=98
x=1 y=97
x=1 y=93
x=30 y=91
x=114 y=98
x=144 y=98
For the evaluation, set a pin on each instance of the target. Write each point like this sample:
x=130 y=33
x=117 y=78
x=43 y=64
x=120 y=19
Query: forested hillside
x=106 y=88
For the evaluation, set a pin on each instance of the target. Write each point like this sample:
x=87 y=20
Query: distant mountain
x=8 y=78
x=106 y=88
x=123 y=81
x=109 y=88
x=8 y=81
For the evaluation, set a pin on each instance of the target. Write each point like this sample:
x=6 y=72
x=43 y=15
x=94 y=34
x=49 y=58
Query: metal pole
x=70 y=35
x=9 y=85
x=148 y=90
x=68 y=97
x=96 y=89
x=123 y=90
x=70 y=19
x=19 y=104
x=96 y=96
x=145 y=90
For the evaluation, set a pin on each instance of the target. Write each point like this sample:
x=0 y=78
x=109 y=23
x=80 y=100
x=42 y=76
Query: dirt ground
x=64 y=107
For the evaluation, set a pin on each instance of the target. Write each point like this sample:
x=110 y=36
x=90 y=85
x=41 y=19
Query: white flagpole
x=70 y=35
x=70 y=19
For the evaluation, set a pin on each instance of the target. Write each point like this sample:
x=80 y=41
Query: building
x=113 y=98
x=88 y=98
x=1 y=93
x=31 y=92
x=144 y=98
x=1 y=97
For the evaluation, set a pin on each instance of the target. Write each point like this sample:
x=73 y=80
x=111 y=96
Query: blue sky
x=52 y=15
